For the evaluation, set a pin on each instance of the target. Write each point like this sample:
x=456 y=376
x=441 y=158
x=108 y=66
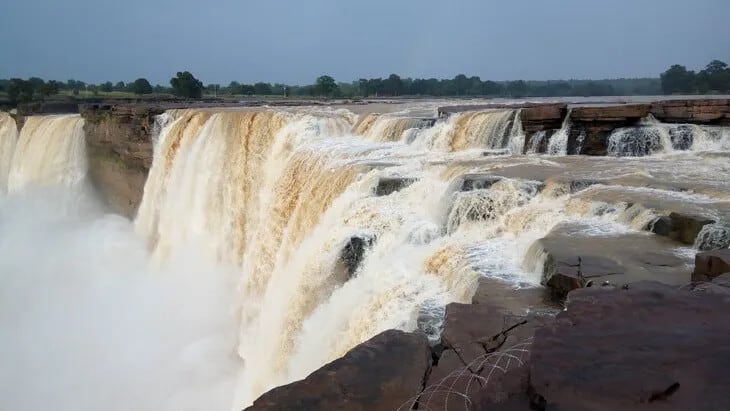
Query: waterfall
x=384 y=128
x=470 y=130
x=8 y=140
x=535 y=142
x=558 y=144
x=270 y=200
x=50 y=150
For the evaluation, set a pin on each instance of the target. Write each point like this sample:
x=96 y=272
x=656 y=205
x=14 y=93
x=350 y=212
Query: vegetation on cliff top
x=713 y=79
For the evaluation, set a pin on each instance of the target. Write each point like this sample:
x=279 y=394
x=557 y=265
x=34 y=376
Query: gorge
x=199 y=258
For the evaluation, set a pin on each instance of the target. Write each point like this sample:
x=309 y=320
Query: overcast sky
x=294 y=41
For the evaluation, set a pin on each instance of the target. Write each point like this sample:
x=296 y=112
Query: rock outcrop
x=680 y=227
x=591 y=126
x=649 y=347
x=574 y=260
x=119 y=147
x=711 y=264
x=381 y=374
x=698 y=111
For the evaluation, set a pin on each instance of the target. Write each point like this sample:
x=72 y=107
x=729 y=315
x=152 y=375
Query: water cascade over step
x=8 y=140
x=491 y=130
x=50 y=150
x=384 y=128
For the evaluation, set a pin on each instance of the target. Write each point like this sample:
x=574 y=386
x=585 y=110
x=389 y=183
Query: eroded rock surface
x=380 y=374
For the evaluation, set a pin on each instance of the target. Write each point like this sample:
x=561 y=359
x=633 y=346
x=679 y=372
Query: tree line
x=714 y=78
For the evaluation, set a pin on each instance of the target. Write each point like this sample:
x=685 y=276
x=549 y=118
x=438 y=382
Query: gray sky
x=294 y=41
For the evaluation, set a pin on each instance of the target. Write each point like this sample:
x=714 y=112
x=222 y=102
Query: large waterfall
x=8 y=140
x=265 y=246
x=50 y=150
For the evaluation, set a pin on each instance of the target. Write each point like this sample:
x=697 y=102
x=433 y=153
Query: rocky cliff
x=119 y=146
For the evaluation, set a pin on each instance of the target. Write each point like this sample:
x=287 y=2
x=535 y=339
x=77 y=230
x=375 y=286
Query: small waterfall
x=558 y=144
x=535 y=142
x=385 y=128
x=516 y=139
x=469 y=130
x=713 y=237
x=649 y=137
x=50 y=150
x=8 y=140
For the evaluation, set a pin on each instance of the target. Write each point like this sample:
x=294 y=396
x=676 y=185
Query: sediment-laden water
x=262 y=250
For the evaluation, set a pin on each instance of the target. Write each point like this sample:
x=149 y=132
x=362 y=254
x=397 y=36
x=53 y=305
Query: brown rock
x=680 y=227
x=482 y=343
x=389 y=185
x=644 y=348
x=711 y=264
x=383 y=373
x=698 y=111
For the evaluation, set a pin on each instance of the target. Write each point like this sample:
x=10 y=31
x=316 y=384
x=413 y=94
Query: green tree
x=107 y=87
x=120 y=86
x=262 y=89
x=715 y=77
x=184 y=84
x=141 y=86
x=678 y=80
x=20 y=91
x=325 y=86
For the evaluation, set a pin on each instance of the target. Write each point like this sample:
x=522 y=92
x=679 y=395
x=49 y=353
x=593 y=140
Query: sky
x=295 y=41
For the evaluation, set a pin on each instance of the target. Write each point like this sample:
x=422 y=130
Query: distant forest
x=713 y=79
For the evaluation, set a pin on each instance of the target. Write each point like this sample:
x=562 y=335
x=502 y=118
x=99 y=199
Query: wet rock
x=389 y=185
x=352 y=253
x=644 y=348
x=382 y=373
x=496 y=292
x=591 y=126
x=711 y=264
x=574 y=260
x=680 y=227
x=720 y=285
x=471 y=182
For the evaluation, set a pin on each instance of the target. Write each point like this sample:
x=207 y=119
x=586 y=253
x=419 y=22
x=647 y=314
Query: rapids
x=231 y=278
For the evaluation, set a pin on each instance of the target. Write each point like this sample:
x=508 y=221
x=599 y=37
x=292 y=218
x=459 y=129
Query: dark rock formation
x=591 y=126
x=711 y=264
x=649 y=347
x=699 y=111
x=382 y=373
x=481 y=343
x=389 y=185
x=471 y=182
x=119 y=147
x=352 y=253
x=719 y=285
x=680 y=227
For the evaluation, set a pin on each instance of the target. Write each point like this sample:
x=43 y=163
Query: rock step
x=711 y=264
x=575 y=260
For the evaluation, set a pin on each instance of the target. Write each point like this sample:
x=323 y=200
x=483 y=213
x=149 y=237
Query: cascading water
x=470 y=130
x=8 y=140
x=270 y=200
x=50 y=150
x=558 y=144
x=384 y=128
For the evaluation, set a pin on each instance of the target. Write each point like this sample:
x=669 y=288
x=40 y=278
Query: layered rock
x=119 y=146
x=711 y=264
x=699 y=111
x=591 y=126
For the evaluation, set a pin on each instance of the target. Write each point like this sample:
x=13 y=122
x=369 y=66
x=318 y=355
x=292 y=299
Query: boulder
x=389 y=185
x=482 y=343
x=720 y=285
x=381 y=374
x=680 y=227
x=711 y=264
x=645 y=348
x=352 y=253
x=471 y=182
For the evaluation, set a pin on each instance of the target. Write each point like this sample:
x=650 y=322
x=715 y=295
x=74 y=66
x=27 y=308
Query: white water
x=266 y=201
x=8 y=140
x=558 y=144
